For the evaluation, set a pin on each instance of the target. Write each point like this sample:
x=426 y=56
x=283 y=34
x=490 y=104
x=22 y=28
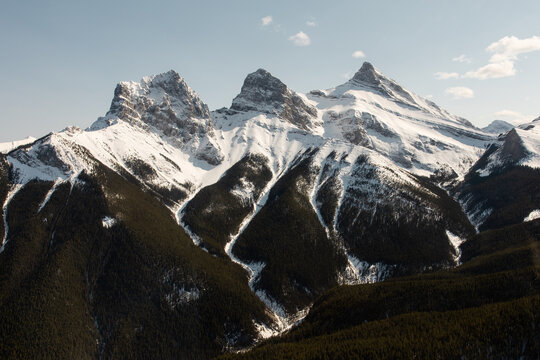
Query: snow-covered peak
x=166 y=105
x=370 y=77
x=264 y=93
x=367 y=74
x=166 y=92
x=520 y=146
x=498 y=127
x=373 y=110
x=369 y=83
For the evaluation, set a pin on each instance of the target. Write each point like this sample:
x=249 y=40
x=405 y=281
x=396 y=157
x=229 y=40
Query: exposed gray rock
x=371 y=122
x=166 y=104
x=267 y=94
x=367 y=75
x=512 y=150
x=351 y=127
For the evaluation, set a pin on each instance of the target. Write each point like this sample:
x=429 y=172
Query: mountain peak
x=369 y=77
x=132 y=100
x=168 y=77
x=498 y=127
x=166 y=104
x=366 y=74
x=265 y=93
x=259 y=88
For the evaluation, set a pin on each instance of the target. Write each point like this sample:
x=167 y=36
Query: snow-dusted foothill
x=7 y=146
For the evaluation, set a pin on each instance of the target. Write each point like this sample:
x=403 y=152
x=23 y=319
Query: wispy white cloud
x=513 y=117
x=358 y=54
x=493 y=71
x=462 y=59
x=300 y=39
x=446 y=75
x=267 y=20
x=505 y=54
x=460 y=92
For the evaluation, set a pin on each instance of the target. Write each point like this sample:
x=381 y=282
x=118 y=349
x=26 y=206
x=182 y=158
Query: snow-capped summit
x=375 y=111
x=498 y=127
x=165 y=104
x=265 y=93
x=366 y=74
x=369 y=76
x=520 y=146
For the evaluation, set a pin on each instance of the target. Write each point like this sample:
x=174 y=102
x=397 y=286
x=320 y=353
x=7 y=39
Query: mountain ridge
x=355 y=181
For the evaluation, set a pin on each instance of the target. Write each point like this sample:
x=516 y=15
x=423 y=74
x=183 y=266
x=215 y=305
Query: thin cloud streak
x=446 y=75
x=460 y=92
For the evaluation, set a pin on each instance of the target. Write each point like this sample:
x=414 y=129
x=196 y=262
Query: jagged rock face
x=509 y=151
x=351 y=126
x=265 y=93
x=367 y=74
x=513 y=150
x=167 y=104
x=164 y=101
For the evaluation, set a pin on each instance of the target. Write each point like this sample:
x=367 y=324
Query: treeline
x=72 y=288
x=486 y=308
x=287 y=236
x=215 y=212
x=511 y=193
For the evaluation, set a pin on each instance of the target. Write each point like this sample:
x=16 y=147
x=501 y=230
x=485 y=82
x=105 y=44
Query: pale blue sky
x=60 y=60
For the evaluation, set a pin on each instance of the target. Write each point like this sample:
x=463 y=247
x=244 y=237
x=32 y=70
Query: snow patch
x=180 y=295
x=108 y=222
x=6 y=147
x=49 y=194
x=362 y=272
x=11 y=193
x=244 y=192
x=456 y=242
x=535 y=214
x=282 y=320
x=178 y=215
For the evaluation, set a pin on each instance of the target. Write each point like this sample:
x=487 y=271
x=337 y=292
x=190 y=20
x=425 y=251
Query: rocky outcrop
x=265 y=93
x=166 y=104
